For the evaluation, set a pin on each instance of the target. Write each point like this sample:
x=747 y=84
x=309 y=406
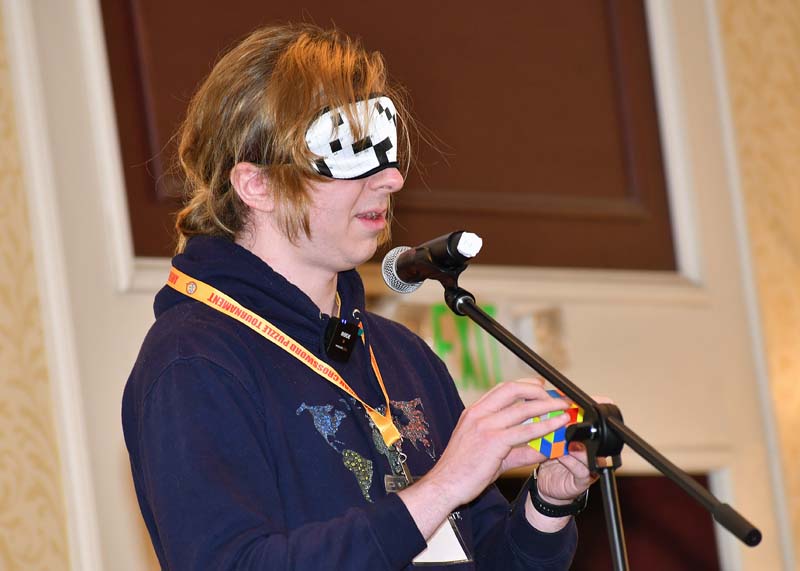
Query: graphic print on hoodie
x=408 y=417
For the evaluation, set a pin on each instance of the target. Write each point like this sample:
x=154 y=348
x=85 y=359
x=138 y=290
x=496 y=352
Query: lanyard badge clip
x=401 y=480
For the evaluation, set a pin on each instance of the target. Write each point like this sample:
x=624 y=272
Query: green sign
x=472 y=355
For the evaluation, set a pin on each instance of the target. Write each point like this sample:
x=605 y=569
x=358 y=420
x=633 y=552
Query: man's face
x=347 y=218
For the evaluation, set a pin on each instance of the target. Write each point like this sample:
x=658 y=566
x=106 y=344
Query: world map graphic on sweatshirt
x=409 y=419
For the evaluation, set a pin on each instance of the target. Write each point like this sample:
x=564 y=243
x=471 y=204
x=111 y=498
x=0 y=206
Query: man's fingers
x=523 y=433
x=523 y=411
x=577 y=451
x=522 y=456
x=507 y=393
x=578 y=468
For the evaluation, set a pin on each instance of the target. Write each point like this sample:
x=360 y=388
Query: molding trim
x=148 y=275
x=691 y=459
x=108 y=159
x=532 y=286
x=674 y=142
x=721 y=485
x=504 y=202
x=41 y=190
x=520 y=286
x=748 y=285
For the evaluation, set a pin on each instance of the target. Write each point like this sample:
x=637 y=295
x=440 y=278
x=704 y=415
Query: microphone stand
x=603 y=431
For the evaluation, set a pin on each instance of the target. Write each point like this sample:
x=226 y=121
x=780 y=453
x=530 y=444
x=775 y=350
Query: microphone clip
x=340 y=338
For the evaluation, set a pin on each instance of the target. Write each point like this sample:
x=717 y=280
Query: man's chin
x=365 y=257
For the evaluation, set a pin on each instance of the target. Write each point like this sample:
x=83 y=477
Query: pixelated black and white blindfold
x=330 y=137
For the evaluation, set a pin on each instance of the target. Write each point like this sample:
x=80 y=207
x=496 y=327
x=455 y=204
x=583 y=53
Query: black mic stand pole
x=603 y=432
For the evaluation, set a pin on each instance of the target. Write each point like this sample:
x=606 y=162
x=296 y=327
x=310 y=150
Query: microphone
x=404 y=269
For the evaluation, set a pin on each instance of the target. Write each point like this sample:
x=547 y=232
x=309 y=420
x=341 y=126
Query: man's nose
x=387 y=179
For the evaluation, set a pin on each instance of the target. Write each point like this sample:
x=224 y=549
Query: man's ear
x=251 y=184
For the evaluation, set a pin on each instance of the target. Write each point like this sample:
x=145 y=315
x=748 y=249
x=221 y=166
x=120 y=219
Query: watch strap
x=553 y=510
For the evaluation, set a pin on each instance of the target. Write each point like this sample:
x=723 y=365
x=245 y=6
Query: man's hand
x=560 y=481
x=489 y=439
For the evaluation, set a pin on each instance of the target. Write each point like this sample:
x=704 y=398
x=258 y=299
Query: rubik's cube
x=554 y=445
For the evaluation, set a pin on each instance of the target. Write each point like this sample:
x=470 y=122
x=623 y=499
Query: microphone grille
x=389 y=271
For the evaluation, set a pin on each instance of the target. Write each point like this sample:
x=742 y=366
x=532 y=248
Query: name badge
x=444 y=546
x=394 y=484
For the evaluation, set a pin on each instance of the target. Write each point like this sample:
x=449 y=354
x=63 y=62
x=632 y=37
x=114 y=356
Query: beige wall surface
x=32 y=521
x=762 y=52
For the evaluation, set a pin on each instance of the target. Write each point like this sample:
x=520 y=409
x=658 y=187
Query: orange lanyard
x=215 y=299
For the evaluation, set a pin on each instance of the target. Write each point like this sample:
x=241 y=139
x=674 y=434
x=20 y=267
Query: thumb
x=522 y=456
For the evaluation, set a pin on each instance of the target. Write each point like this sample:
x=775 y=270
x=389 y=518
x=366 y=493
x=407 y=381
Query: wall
x=33 y=531
x=762 y=51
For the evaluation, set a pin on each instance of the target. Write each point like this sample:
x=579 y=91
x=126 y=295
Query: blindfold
x=330 y=137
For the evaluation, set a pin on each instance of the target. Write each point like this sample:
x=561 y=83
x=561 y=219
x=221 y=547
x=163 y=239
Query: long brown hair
x=255 y=106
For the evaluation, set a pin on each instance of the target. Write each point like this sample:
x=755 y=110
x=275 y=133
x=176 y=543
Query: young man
x=272 y=422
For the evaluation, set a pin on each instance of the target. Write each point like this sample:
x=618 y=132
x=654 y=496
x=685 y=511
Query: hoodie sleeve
x=505 y=539
x=211 y=488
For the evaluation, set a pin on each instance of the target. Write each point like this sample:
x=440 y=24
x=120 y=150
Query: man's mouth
x=372 y=215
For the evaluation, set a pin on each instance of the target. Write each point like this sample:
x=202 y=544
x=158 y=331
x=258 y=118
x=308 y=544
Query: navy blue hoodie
x=244 y=458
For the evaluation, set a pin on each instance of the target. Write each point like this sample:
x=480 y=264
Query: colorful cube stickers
x=554 y=445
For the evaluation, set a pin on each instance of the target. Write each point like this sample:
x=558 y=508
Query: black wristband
x=552 y=510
